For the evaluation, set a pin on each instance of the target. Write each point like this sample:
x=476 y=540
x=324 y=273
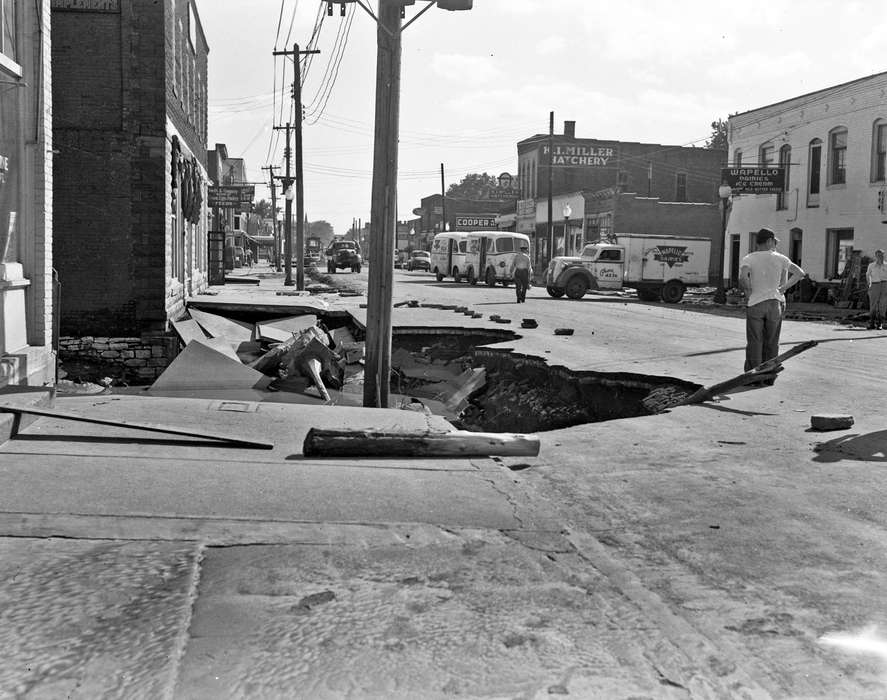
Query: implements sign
x=87 y=5
x=475 y=222
x=231 y=196
x=754 y=180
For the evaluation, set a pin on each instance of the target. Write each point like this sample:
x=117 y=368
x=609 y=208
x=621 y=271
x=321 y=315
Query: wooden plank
x=458 y=443
x=149 y=427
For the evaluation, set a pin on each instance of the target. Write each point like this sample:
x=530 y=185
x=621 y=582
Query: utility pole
x=287 y=213
x=443 y=201
x=384 y=206
x=550 y=177
x=270 y=169
x=300 y=192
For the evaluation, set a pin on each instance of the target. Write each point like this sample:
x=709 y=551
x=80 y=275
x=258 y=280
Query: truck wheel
x=490 y=277
x=355 y=268
x=505 y=283
x=330 y=268
x=438 y=276
x=673 y=292
x=555 y=292
x=576 y=287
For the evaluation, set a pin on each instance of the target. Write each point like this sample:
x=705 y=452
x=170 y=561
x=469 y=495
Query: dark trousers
x=763 y=322
x=521 y=283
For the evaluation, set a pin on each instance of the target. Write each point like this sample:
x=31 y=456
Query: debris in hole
x=529 y=323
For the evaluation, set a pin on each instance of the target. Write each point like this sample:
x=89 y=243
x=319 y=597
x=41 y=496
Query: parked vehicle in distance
x=342 y=253
x=491 y=256
x=448 y=255
x=656 y=266
x=419 y=260
x=313 y=248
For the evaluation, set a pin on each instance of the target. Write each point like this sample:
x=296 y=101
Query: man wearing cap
x=523 y=268
x=876 y=276
x=765 y=275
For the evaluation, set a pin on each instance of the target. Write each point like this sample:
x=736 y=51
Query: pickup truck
x=656 y=266
x=343 y=254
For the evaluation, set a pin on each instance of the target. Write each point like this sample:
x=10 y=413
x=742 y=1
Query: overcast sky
x=475 y=83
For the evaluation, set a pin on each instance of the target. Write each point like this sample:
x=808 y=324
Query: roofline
x=809 y=94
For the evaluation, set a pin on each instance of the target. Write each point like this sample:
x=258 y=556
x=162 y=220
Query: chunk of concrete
x=200 y=370
x=831 y=421
x=282 y=329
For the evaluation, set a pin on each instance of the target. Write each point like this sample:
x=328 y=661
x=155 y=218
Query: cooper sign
x=754 y=180
x=475 y=222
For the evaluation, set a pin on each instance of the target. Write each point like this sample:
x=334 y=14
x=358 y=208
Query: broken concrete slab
x=188 y=330
x=282 y=329
x=201 y=371
x=217 y=326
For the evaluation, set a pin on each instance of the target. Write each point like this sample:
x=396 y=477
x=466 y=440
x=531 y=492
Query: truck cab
x=599 y=266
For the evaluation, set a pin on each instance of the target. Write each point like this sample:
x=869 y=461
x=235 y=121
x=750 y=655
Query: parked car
x=419 y=260
x=343 y=254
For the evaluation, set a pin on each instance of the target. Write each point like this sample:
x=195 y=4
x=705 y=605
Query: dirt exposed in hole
x=524 y=394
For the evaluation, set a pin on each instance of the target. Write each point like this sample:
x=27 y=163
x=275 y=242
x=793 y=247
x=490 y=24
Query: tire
x=576 y=287
x=490 y=277
x=555 y=292
x=673 y=292
x=438 y=276
x=505 y=283
x=355 y=268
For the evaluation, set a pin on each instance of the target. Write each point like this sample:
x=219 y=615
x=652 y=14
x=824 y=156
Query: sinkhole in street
x=519 y=393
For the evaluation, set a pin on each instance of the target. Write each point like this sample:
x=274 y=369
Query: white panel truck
x=656 y=266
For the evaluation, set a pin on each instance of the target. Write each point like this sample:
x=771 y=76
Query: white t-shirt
x=769 y=270
x=876 y=273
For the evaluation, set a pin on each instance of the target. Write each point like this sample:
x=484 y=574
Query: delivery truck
x=656 y=266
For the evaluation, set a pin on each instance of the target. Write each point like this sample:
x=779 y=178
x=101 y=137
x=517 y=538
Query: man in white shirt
x=876 y=276
x=765 y=275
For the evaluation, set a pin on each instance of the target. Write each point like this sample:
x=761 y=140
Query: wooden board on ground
x=200 y=367
x=235 y=332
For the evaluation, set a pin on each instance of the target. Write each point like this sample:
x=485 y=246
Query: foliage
x=263 y=209
x=473 y=186
x=320 y=229
x=718 y=138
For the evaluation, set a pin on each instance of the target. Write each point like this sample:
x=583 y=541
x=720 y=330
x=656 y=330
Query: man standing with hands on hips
x=765 y=275
x=876 y=276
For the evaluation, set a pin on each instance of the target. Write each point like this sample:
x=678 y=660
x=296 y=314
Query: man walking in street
x=523 y=268
x=765 y=275
x=876 y=276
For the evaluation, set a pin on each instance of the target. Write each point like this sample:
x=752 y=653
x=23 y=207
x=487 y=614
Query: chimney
x=570 y=130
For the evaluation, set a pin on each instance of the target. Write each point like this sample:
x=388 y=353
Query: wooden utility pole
x=443 y=201
x=550 y=178
x=300 y=192
x=384 y=206
x=274 y=227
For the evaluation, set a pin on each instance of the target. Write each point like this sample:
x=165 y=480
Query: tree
x=320 y=229
x=718 y=138
x=473 y=186
x=263 y=209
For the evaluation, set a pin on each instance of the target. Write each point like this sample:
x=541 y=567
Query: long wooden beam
x=457 y=443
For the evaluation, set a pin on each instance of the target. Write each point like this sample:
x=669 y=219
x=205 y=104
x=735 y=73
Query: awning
x=261 y=240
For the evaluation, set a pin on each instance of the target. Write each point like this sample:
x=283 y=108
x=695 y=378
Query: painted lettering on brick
x=87 y=5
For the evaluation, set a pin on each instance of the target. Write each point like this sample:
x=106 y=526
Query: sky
x=476 y=82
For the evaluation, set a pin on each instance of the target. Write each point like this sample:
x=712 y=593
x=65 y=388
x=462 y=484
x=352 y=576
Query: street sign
x=230 y=196
x=754 y=180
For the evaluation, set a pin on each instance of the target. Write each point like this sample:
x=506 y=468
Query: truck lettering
x=671 y=254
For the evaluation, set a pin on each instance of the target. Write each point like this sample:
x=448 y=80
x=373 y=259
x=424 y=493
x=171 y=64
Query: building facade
x=563 y=164
x=833 y=146
x=129 y=191
x=27 y=353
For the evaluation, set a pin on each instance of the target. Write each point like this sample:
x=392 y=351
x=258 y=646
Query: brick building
x=129 y=195
x=652 y=171
x=26 y=307
x=833 y=146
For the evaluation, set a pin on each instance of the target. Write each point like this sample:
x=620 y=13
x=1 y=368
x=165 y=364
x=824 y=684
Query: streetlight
x=724 y=192
x=567 y=211
x=290 y=195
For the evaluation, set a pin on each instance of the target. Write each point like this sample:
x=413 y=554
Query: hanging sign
x=754 y=180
